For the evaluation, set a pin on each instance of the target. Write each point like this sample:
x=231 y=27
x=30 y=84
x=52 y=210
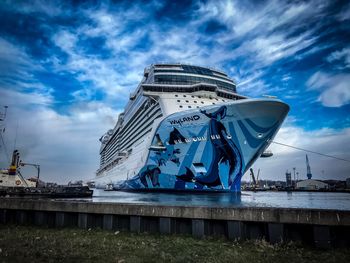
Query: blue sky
x=66 y=70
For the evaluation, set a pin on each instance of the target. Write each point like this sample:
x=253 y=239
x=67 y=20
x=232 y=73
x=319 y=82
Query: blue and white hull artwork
x=210 y=148
x=186 y=128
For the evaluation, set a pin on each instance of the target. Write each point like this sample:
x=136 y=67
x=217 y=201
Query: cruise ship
x=185 y=127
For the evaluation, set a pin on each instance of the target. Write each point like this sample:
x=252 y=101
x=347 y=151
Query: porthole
x=213 y=103
x=176 y=95
x=192 y=96
x=187 y=101
x=195 y=101
x=189 y=106
x=180 y=106
x=184 y=96
x=202 y=102
x=178 y=100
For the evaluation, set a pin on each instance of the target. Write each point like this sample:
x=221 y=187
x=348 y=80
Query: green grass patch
x=32 y=244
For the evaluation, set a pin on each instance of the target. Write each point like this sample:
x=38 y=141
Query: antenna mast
x=2 y=130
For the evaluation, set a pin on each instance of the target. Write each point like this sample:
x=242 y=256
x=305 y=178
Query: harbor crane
x=37 y=166
x=2 y=130
x=255 y=181
x=308 y=169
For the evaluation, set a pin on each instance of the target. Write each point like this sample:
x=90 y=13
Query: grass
x=32 y=244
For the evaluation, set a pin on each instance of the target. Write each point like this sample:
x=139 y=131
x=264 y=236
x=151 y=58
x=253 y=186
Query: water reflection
x=190 y=199
x=340 y=201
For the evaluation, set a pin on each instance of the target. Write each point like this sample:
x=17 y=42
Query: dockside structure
x=323 y=228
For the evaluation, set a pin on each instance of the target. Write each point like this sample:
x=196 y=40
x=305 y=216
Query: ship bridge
x=182 y=74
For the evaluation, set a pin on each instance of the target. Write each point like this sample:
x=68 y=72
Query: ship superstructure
x=185 y=127
x=12 y=176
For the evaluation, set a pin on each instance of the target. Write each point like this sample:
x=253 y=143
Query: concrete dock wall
x=323 y=228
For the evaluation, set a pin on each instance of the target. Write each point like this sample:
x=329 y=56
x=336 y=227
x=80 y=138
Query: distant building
x=311 y=184
x=336 y=184
x=348 y=183
x=288 y=179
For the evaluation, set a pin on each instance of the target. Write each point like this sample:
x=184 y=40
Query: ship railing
x=121 y=156
x=191 y=88
x=110 y=164
x=189 y=64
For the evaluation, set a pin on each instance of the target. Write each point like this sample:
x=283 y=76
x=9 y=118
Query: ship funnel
x=14 y=163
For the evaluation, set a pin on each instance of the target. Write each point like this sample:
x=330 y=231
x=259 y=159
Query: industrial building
x=311 y=184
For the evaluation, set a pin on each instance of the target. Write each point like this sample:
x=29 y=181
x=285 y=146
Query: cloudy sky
x=67 y=68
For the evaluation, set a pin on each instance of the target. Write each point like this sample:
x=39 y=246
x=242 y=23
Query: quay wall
x=323 y=228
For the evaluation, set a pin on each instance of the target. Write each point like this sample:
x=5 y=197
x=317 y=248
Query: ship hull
x=207 y=149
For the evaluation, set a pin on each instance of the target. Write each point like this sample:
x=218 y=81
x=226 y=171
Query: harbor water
x=307 y=200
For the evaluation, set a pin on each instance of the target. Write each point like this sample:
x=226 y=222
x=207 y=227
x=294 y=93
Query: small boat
x=49 y=192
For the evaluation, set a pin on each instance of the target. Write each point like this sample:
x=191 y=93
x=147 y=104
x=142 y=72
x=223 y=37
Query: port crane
x=2 y=130
x=37 y=166
x=308 y=169
x=255 y=183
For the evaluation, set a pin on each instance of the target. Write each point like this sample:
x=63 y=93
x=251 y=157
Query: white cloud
x=345 y=14
x=340 y=55
x=15 y=63
x=104 y=73
x=17 y=73
x=103 y=24
x=267 y=33
x=66 y=146
x=65 y=40
x=49 y=8
x=259 y=19
x=122 y=71
x=255 y=88
x=286 y=77
x=272 y=48
x=13 y=98
x=334 y=89
x=326 y=141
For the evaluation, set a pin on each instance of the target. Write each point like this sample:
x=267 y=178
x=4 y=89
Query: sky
x=67 y=69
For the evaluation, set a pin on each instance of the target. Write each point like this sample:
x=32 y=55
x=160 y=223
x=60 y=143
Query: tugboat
x=13 y=184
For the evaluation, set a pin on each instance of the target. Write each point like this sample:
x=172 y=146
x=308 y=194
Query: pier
x=321 y=227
